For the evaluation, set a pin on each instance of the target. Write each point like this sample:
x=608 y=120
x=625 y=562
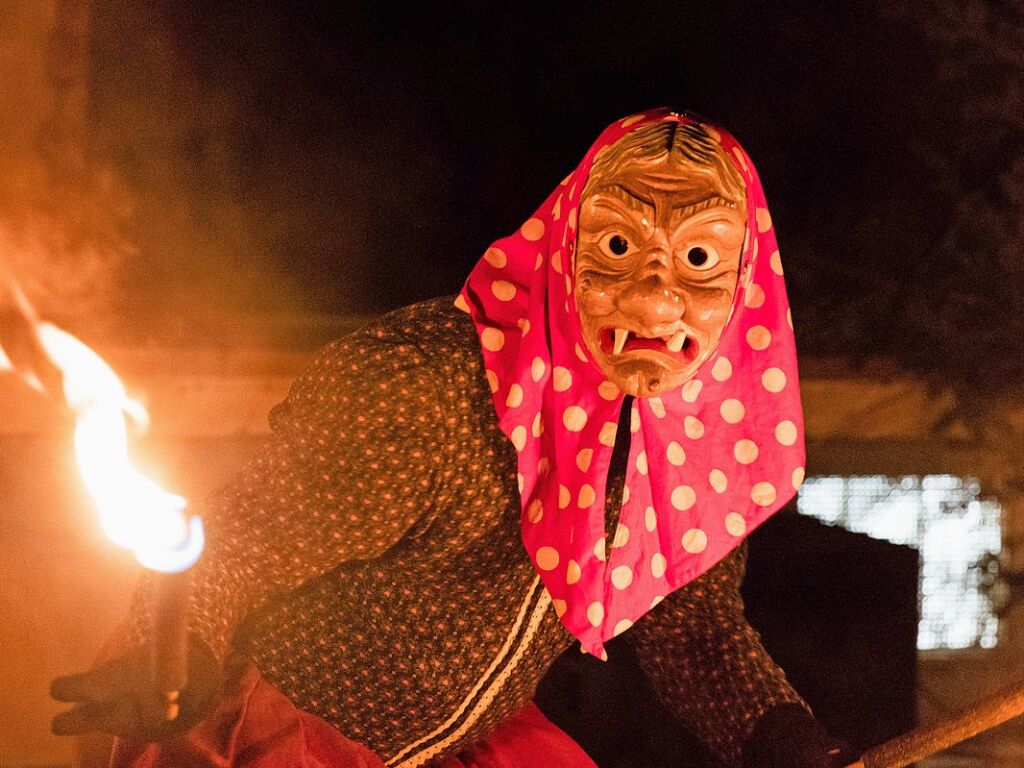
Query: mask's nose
x=652 y=302
x=650 y=299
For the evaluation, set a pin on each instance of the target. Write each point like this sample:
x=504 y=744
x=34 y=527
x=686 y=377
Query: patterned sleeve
x=707 y=664
x=351 y=466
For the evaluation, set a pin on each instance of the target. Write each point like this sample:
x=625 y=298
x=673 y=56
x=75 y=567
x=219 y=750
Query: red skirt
x=256 y=726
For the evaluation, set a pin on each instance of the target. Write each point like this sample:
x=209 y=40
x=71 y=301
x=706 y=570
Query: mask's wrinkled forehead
x=680 y=150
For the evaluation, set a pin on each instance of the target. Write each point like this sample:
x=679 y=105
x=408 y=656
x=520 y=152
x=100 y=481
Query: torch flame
x=135 y=512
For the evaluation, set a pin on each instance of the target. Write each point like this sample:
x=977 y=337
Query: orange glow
x=134 y=512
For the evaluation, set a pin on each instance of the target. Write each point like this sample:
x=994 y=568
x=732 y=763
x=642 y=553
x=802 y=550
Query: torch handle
x=170 y=637
x=927 y=740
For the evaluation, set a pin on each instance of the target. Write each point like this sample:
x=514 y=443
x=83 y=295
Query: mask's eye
x=700 y=257
x=616 y=246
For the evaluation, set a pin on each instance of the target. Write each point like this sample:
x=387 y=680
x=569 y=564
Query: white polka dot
x=621 y=536
x=599 y=549
x=556 y=212
x=492 y=339
x=537 y=369
x=754 y=298
x=798 y=477
x=573 y=573
x=658 y=565
x=763 y=494
x=560 y=607
x=547 y=558
x=460 y=303
x=561 y=379
x=608 y=390
x=789 y=318
x=503 y=290
x=776 y=263
x=745 y=451
x=521 y=482
x=607 y=436
x=650 y=519
x=735 y=524
x=544 y=466
x=572 y=219
x=535 y=512
x=759 y=337
x=556 y=262
x=641 y=463
x=515 y=396
x=586 y=497
x=532 y=230
x=693 y=427
x=657 y=406
x=519 y=437
x=683 y=497
x=538 y=426
x=568 y=290
x=574 y=418
x=583 y=459
x=581 y=354
x=496 y=257
x=676 y=454
x=564 y=497
x=622 y=626
x=764 y=219
x=718 y=480
x=492 y=380
x=595 y=614
x=539 y=263
x=625 y=495
x=738 y=154
x=722 y=369
x=785 y=432
x=634 y=420
x=622 y=577
x=732 y=411
x=691 y=390
x=657 y=599
x=524 y=325
x=773 y=379
x=695 y=541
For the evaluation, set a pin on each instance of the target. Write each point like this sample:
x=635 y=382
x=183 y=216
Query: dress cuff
x=788 y=736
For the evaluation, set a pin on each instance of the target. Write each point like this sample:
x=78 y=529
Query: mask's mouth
x=620 y=341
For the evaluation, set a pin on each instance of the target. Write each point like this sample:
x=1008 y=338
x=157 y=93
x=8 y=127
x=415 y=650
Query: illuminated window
x=943 y=518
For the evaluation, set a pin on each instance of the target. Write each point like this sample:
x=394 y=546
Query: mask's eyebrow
x=685 y=211
x=629 y=197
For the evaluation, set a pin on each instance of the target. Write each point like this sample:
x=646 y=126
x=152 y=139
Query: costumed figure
x=573 y=449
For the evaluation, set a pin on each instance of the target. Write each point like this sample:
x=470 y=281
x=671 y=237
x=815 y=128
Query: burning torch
x=134 y=512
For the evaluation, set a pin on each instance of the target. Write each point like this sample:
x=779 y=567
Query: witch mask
x=661 y=228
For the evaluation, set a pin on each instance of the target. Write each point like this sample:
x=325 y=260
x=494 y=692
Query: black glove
x=789 y=737
x=117 y=697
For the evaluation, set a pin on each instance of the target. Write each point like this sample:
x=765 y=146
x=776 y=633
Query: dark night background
x=338 y=159
x=208 y=178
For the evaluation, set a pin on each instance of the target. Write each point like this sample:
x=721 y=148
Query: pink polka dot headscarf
x=708 y=462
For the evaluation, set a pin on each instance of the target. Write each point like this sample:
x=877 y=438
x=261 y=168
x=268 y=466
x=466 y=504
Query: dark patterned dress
x=369 y=560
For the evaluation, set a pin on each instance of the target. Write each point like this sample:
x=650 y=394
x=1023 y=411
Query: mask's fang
x=675 y=344
x=621 y=334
